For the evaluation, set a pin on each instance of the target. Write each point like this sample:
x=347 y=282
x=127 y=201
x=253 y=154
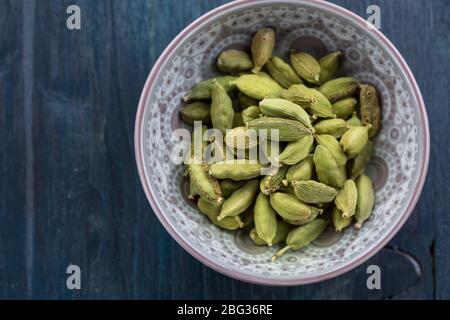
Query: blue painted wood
x=70 y=193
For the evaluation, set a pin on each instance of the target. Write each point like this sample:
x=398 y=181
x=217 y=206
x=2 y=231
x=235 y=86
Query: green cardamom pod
x=290 y=208
x=327 y=169
x=296 y=151
x=263 y=43
x=228 y=186
x=288 y=130
x=357 y=164
x=306 y=66
x=366 y=200
x=202 y=90
x=309 y=98
x=265 y=219
x=300 y=172
x=344 y=108
x=245 y=101
x=301 y=222
x=329 y=64
x=196 y=111
x=346 y=198
x=282 y=72
x=331 y=143
x=339 y=222
x=250 y=113
x=339 y=88
x=281 y=108
x=206 y=185
x=313 y=192
x=212 y=210
x=222 y=113
x=334 y=127
x=257 y=86
x=240 y=200
x=354 y=121
x=283 y=229
x=241 y=138
x=234 y=61
x=370 y=108
x=271 y=183
x=236 y=170
x=354 y=140
x=302 y=236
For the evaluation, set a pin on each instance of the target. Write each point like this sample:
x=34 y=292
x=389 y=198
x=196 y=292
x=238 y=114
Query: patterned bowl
x=398 y=168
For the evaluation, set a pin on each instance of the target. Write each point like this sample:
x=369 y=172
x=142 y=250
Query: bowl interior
x=397 y=167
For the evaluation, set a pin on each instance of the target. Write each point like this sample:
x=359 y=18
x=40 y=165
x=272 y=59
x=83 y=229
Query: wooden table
x=69 y=190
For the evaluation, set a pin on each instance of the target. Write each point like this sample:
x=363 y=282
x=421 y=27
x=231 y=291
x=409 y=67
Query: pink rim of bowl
x=261 y=280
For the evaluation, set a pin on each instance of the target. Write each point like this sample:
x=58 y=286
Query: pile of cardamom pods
x=324 y=125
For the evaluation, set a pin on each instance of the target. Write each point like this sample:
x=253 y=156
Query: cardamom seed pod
x=228 y=186
x=256 y=86
x=339 y=88
x=339 y=222
x=212 y=210
x=329 y=64
x=222 y=113
x=240 y=200
x=263 y=43
x=281 y=108
x=206 y=185
x=241 y=138
x=202 y=90
x=366 y=200
x=301 y=222
x=306 y=66
x=357 y=164
x=265 y=219
x=370 y=108
x=296 y=151
x=302 y=236
x=283 y=229
x=236 y=170
x=196 y=111
x=344 y=108
x=250 y=113
x=234 y=61
x=282 y=72
x=288 y=130
x=334 y=127
x=331 y=143
x=301 y=171
x=354 y=140
x=327 y=169
x=273 y=182
x=346 y=199
x=313 y=192
x=354 y=121
x=289 y=207
x=309 y=98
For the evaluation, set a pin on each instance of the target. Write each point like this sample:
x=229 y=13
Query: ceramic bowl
x=398 y=168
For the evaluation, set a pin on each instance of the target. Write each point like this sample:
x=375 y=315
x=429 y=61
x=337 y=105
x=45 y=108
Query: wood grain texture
x=70 y=193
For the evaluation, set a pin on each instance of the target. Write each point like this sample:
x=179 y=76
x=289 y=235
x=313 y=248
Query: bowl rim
x=351 y=264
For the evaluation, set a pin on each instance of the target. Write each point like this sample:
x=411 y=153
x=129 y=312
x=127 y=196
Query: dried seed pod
x=263 y=43
x=290 y=208
x=354 y=121
x=357 y=164
x=366 y=200
x=241 y=138
x=206 y=185
x=212 y=210
x=346 y=198
x=240 y=200
x=228 y=186
x=339 y=88
x=329 y=64
x=202 y=90
x=296 y=151
x=196 y=111
x=236 y=170
x=273 y=182
x=234 y=61
x=257 y=86
x=327 y=169
x=344 y=108
x=300 y=172
x=313 y=192
x=334 y=127
x=282 y=72
x=331 y=143
x=281 y=108
x=288 y=130
x=354 y=140
x=309 y=98
x=222 y=113
x=283 y=229
x=306 y=66
x=302 y=236
x=265 y=219
x=339 y=222
x=370 y=108
x=250 y=113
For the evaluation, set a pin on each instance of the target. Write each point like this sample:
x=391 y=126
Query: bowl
x=398 y=168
